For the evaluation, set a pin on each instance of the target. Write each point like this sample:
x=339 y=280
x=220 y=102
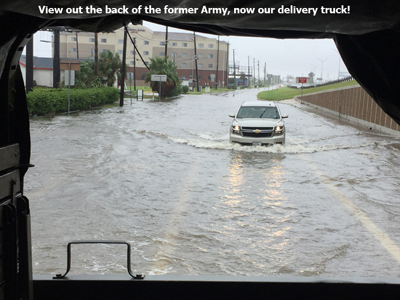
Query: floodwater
x=163 y=177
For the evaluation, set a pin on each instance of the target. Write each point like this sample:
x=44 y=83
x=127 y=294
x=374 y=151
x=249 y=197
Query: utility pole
x=254 y=71
x=166 y=43
x=227 y=66
x=216 y=79
x=265 y=71
x=234 y=69
x=77 y=45
x=248 y=70
x=134 y=64
x=195 y=59
x=123 y=73
x=56 y=58
x=258 y=69
x=96 y=54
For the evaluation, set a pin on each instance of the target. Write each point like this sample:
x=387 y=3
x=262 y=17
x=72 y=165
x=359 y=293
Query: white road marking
x=171 y=230
x=381 y=236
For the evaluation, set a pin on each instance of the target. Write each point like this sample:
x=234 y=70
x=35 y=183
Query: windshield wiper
x=263 y=112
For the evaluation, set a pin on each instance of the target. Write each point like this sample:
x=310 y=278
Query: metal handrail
x=135 y=276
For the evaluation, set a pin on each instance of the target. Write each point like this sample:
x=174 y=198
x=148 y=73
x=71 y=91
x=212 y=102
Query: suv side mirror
x=285 y=116
x=231 y=116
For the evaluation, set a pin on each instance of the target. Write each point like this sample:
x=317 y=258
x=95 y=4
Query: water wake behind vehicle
x=163 y=176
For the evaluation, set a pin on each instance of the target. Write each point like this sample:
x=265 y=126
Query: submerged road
x=163 y=176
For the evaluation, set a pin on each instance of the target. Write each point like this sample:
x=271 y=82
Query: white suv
x=258 y=123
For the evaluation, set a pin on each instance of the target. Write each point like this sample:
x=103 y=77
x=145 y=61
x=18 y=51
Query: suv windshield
x=258 y=112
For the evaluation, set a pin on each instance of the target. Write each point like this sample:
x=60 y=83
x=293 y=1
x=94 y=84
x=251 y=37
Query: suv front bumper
x=276 y=139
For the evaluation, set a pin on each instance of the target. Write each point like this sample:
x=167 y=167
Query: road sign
x=158 y=77
x=301 y=79
x=69 y=78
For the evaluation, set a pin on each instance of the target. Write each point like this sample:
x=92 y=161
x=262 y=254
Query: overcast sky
x=282 y=57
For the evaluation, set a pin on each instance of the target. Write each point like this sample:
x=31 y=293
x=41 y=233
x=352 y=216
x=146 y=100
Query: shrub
x=185 y=89
x=42 y=101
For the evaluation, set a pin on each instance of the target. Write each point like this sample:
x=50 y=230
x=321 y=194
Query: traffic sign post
x=159 y=78
x=71 y=66
x=301 y=80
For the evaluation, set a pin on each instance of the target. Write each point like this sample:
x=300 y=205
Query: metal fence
x=353 y=104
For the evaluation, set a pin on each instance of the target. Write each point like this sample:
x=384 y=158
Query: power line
x=136 y=49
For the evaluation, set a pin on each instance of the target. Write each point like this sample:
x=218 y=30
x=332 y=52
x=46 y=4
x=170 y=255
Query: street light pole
x=322 y=66
x=338 y=77
x=315 y=71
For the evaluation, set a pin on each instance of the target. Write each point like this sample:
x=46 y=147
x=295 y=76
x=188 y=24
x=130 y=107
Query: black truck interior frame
x=368 y=40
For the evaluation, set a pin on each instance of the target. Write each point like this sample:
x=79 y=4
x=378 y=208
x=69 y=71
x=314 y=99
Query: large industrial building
x=212 y=54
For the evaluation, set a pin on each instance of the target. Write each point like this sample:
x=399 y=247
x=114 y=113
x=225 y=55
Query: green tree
x=158 y=66
x=85 y=77
x=109 y=66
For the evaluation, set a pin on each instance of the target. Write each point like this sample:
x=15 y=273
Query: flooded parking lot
x=163 y=176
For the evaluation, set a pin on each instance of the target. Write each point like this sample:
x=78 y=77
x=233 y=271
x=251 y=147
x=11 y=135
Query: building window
x=74 y=50
x=132 y=63
x=199 y=55
x=210 y=65
x=162 y=53
x=210 y=45
x=200 y=78
x=162 y=43
x=201 y=45
x=174 y=44
x=200 y=65
x=132 y=52
x=91 y=40
x=91 y=50
x=183 y=65
x=103 y=40
x=174 y=54
x=120 y=41
x=145 y=52
x=73 y=38
x=103 y=50
x=183 y=77
x=120 y=52
x=146 y=42
x=210 y=56
x=184 y=54
x=184 y=44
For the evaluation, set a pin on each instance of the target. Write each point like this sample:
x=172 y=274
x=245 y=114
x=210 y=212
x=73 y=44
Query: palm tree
x=160 y=66
x=109 y=66
x=86 y=77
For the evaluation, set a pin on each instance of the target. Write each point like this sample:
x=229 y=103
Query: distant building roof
x=44 y=63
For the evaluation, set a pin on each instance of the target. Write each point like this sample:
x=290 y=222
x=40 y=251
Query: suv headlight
x=236 y=129
x=279 y=129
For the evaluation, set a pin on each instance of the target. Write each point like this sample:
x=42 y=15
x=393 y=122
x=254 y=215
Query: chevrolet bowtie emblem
x=257 y=131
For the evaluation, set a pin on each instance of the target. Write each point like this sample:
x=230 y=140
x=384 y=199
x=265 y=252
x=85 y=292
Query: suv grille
x=260 y=128
x=265 y=132
x=259 y=135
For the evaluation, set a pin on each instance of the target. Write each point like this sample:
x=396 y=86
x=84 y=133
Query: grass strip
x=288 y=93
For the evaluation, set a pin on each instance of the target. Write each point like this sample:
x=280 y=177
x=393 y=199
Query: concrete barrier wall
x=355 y=105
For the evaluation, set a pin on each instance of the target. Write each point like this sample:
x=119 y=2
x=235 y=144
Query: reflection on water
x=163 y=176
